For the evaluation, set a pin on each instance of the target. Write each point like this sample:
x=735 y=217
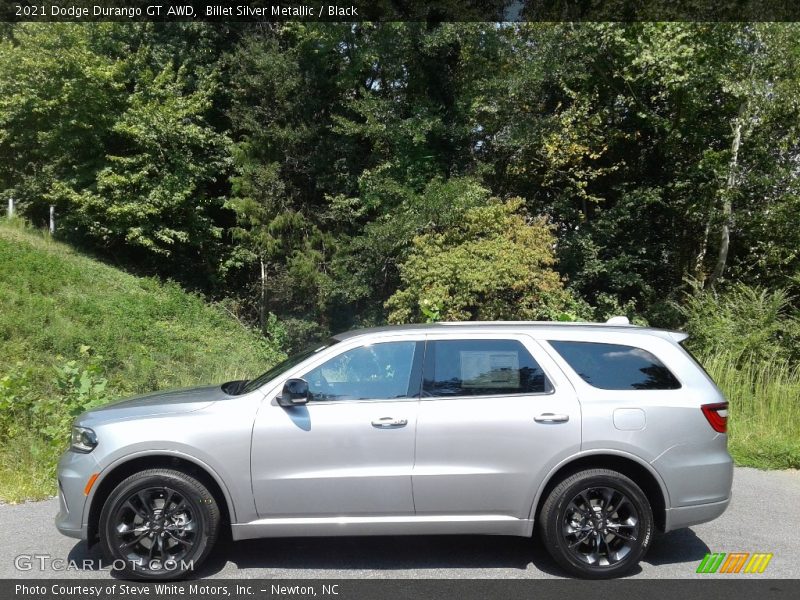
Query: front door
x=350 y=450
x=496 y=414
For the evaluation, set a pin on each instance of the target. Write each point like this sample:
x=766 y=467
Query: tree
x=120 y=127
x=495 y=264
x=291 y=166
x=59 y=98
x=152 y=195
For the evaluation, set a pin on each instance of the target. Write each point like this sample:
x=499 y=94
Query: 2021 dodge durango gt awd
x=594 y=435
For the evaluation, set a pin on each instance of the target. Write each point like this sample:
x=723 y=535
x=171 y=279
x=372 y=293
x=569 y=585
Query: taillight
x=717 y=416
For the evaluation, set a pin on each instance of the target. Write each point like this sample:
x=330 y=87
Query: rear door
x=496 y=414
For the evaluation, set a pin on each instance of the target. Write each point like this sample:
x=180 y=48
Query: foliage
x=493 y=265
x=119 y=128
x=742 y=322
x=59 y=98
x=150 y=335
x=747 y=339
x=151 y=195
x=290 y=166
x=79 y=385
x=16 y=400
x=34 y=430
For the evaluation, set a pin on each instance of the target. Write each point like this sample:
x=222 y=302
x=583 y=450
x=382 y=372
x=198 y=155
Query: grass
x=764 y=417
x=26 y=471
x=145 y=334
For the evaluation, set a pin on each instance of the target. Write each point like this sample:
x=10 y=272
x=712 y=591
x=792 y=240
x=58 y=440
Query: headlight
x=83 y=439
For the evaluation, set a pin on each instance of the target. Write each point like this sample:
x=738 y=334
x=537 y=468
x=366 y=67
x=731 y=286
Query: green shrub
x=746 y=324
x=36 y=428
x=747 y=338
x=494 y=264
x=81 y=386
x=16 y=402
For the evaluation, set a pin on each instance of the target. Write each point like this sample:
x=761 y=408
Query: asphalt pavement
x=762 y=517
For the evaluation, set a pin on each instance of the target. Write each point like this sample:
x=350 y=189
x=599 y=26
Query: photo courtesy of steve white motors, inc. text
x=186 y=11
x=173 y=589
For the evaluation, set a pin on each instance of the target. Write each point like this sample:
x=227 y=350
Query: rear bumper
x=697 y=474
x=685 y=516
x=699 y=479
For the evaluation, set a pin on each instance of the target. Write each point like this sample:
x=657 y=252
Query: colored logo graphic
x=734 y=562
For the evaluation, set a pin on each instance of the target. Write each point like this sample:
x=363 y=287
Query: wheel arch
x=629 y=465
x=120 y=470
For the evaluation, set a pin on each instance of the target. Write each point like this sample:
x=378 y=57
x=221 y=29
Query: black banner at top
x=399 y=10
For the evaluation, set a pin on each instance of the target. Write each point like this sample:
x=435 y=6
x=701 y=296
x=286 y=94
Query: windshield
x=283 y=366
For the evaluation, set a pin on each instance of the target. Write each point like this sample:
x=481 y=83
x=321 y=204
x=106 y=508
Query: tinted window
x=481 y=367
x=616 y=367
x=281 y=367
x=372 y=372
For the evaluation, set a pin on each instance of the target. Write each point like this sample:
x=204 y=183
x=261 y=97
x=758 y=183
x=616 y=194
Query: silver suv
x=593 y=434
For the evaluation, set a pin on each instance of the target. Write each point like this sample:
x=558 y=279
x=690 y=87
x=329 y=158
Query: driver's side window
x=380 y=371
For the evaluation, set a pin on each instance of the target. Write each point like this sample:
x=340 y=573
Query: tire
x=158 y=524
x=596 y=524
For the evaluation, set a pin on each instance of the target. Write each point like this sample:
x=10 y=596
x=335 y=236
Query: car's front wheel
x=596 y=524
x=158 y=524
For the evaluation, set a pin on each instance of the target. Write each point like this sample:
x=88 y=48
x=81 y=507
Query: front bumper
x=74 y=471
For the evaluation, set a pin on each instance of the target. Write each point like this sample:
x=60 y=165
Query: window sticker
x=481 y=369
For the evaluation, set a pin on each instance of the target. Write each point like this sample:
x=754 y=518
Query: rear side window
x=481 y=368
x=616 y=367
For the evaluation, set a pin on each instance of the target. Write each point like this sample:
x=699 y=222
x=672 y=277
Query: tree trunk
x=262 y=305
x=700 y=259
x=727 y=194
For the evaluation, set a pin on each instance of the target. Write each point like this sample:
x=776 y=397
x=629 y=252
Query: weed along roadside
x=765 y=414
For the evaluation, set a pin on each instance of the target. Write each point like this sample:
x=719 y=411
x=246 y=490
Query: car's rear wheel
x=158 y=524
x=596 y=524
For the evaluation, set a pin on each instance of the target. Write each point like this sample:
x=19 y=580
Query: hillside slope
x=76 y=331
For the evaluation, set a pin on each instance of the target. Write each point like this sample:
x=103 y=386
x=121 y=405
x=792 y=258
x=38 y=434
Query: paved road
x=762 y=518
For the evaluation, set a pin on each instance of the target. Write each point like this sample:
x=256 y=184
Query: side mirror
x=295 y=393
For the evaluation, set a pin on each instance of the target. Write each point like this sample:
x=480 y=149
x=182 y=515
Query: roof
x=515 y=326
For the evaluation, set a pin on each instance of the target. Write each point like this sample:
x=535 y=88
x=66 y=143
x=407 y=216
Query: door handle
x=387 y=422
x=551 y=418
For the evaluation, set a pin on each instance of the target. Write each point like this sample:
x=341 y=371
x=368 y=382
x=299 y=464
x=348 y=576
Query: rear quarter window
x=616 y=366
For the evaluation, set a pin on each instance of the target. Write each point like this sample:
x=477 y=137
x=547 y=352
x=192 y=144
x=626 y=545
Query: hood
x=156 y=403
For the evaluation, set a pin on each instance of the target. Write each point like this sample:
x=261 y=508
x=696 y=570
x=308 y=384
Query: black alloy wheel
x=600 y=526
x=597 y=524
x=158 y=524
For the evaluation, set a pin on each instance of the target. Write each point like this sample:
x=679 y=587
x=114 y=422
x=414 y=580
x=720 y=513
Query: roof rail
x=618 y=321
